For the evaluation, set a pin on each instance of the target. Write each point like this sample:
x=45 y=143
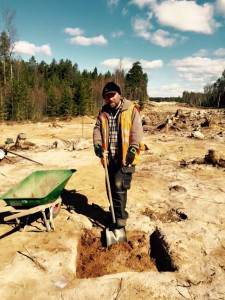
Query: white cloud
x=191 y=77
x=175 y=89
x=74 y=31
x=220 y=52
x=193 y=74
x=79 y=39
x=141 y=27
x=200 y=69
x=116 y=63
x=160 y=37
x=117 y=34
x=153 y=64
x=142 y=3
x=111 y=3
x=220 y=4
x=127 y=63
x=183 y=15
x=186 y=16
x=166 y=90
x=201 y=52
x=23 y=47
x=84 y=41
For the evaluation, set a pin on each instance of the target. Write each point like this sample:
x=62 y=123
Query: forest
x=33 y=91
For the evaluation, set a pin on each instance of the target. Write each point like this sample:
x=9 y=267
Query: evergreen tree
x=52 y=101
x=83 y=95
x=19 y=104
x=67 y=103
x=136 y=84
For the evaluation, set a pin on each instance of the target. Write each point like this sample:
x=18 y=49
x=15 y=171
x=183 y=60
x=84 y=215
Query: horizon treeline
x=33 y=91
x=213 y=96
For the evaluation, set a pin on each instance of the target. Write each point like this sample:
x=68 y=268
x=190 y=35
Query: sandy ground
x=175 y=245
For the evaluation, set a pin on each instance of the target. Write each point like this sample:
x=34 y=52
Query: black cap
x=110 y=87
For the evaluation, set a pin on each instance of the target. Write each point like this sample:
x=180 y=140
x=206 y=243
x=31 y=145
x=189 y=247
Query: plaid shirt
x=113 y=132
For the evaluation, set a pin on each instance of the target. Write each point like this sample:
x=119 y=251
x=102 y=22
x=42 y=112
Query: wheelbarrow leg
x=44 y=209
x=49 y=224
x=48 y=228
x=22 y=224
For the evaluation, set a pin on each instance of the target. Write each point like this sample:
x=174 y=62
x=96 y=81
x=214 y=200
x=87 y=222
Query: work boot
x=120 y=223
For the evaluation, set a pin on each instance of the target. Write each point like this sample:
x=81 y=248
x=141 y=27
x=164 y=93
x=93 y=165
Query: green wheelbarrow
x=39 y=191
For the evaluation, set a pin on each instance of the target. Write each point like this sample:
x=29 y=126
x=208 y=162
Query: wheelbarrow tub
x=38 y=188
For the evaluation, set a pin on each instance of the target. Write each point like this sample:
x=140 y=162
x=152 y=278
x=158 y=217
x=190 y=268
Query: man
x=118 y=130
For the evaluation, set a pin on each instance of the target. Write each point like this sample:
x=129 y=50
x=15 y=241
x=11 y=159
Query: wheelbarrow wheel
x=56 y=209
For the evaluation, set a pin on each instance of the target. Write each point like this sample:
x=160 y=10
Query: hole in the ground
x=160 y=252
x=165 y=216
x=95 y=260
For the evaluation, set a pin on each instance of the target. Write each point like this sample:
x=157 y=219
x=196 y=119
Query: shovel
x=113 y=234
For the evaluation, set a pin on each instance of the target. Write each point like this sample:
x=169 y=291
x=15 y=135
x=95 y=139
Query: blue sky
x=180 y=44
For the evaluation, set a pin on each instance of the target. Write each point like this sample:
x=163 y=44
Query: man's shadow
x=79 y=203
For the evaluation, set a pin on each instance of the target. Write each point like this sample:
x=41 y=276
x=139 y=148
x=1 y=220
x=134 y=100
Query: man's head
x=111 y=93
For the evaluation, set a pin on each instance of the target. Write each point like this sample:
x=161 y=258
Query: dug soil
x=96 y=259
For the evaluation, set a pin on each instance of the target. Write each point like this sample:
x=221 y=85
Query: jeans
x=120 y=181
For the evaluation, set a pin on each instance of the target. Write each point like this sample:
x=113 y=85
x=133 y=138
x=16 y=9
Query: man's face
x=113 y=100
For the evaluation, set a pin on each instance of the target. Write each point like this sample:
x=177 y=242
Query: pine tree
x=136 y=84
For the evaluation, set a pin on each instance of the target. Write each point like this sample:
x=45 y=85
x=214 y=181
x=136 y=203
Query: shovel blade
x=115 y=235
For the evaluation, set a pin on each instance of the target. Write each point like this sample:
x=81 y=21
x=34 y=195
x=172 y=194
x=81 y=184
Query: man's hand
x=98 y=150
x=130 y=156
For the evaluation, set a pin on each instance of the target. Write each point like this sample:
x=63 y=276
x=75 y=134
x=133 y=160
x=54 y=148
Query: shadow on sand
x=79 y=203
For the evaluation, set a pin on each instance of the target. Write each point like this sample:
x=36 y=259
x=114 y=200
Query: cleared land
x=176 y=240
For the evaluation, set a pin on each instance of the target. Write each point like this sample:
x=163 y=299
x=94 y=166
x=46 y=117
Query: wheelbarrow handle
x=24 y=157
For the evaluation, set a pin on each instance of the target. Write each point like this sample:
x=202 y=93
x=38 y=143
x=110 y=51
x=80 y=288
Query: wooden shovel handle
x=108 y=186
